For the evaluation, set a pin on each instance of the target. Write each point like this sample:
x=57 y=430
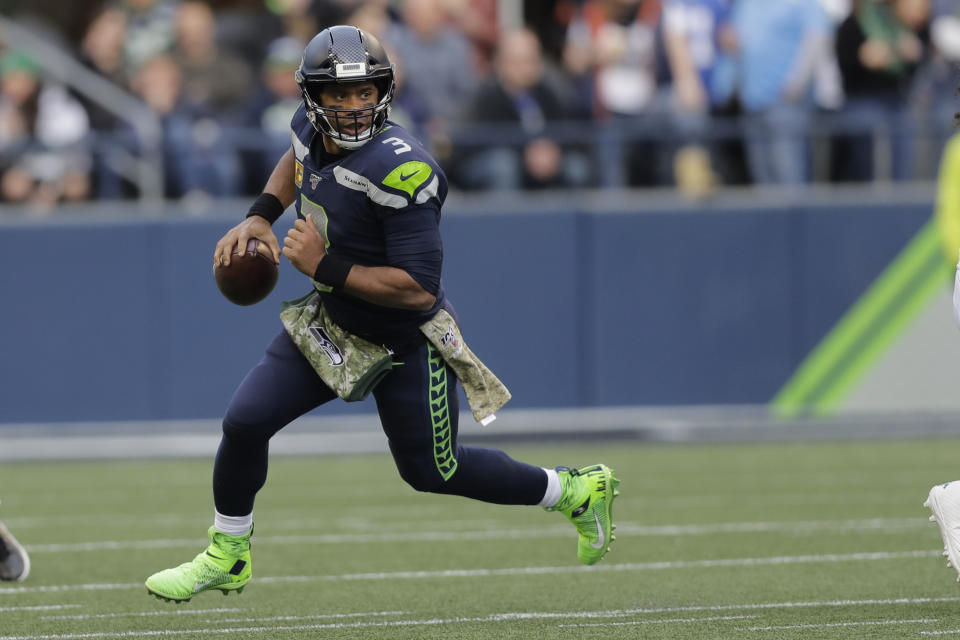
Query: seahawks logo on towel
x=329 y=348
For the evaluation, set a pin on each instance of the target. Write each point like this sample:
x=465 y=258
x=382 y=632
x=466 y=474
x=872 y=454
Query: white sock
x=552 y=495
x=232 y=525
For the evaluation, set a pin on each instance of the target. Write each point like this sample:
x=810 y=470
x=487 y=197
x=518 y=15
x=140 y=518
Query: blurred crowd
x=690 y=94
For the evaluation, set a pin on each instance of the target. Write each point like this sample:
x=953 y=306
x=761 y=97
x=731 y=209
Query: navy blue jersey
x=378 y=206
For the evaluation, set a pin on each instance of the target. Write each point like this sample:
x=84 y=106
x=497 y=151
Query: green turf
x=714 y=541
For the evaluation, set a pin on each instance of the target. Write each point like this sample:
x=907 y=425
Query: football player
x=368 y=198
x=944 y=499
x=14 y=561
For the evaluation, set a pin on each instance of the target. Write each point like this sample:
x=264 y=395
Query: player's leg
x=944 y=502
x=14 y=561
x=282 y=387
x=419 y=410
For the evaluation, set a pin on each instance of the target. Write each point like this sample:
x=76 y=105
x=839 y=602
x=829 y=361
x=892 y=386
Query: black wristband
x=332 y=271
x=266 y=206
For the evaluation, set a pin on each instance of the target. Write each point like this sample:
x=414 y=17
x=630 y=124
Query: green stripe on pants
x=440 y=414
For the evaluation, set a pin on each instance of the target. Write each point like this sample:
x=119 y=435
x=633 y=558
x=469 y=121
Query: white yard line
x=500 y=617
x=497 y=617
x=519 y=571
x=664 y=621
x=865 y=623
x=513 y=616
x=768 y=605
x=623 y=529
x=620 y=613
x=44 y=607
x=141 y=614
x=317 y=616
x=101 y=586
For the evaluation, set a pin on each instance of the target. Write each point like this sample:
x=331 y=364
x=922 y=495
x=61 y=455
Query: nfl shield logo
x=314 y=180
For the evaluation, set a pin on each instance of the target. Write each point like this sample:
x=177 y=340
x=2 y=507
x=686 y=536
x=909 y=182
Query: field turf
x=752 y=541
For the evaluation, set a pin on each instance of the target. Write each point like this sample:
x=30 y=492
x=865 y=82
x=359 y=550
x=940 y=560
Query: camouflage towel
x=485 y=393
x=349 y=365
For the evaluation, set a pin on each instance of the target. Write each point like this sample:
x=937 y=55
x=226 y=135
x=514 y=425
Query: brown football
x=251 y=275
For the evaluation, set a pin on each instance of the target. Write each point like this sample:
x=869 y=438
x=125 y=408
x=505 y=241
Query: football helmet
x=345 y=54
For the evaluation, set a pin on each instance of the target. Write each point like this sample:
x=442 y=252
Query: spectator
x=407 y=108
x=198 y=158
x=150 y=29
x=692 y=33
x=478 y=21
x=611 y=52
x=301 y=19
x=43 y=129
x=445 y=77
x=271 y=107
x=879 y=47
x=611 y=47
x=549 y=19
x=519 y=95
x=933 y=96
x=780 y=46
x=102 y=51
x=213 y=78
x=372 y=16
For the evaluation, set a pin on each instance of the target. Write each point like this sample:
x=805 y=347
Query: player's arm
x=382 y=285
x=278 y=194
x=388 y=287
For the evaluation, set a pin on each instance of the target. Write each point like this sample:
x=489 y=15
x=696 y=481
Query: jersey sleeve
x=413 y=244
x=408 y=188
x=402 y=174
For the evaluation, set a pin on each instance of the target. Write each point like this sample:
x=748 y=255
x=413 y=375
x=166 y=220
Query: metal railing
x=145 y=170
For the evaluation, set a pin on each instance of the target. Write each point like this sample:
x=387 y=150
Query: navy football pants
x=418 y=406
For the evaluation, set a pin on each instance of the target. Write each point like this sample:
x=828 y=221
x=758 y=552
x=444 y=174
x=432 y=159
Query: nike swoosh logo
x=601 y=539
x=198 y=587
x=407 y=177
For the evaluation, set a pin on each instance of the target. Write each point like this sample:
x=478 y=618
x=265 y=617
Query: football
x=251 y=275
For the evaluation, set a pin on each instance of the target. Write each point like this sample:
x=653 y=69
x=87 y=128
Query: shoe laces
x=235 y=546
x=571 y=495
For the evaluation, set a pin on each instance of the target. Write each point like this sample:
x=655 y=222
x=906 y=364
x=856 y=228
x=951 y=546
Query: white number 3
x=402 y=146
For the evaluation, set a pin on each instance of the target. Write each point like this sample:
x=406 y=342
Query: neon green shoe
x=587 y=500
x=224 y=565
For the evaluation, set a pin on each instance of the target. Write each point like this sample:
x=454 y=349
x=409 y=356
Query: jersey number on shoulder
x=401 y=146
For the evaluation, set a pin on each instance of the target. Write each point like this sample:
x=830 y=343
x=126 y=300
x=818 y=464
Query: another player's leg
x=280 y=388
x=14 y=561
x=944 y=502
x=421 y=424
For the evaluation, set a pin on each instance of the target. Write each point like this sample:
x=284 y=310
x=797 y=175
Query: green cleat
x=587 y=500
x=224 y=565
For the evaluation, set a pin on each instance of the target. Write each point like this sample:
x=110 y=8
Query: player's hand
x=236 y=240
x=304 y=246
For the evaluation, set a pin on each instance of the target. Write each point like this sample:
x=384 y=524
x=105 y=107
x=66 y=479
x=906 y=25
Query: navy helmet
x=345 y=54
